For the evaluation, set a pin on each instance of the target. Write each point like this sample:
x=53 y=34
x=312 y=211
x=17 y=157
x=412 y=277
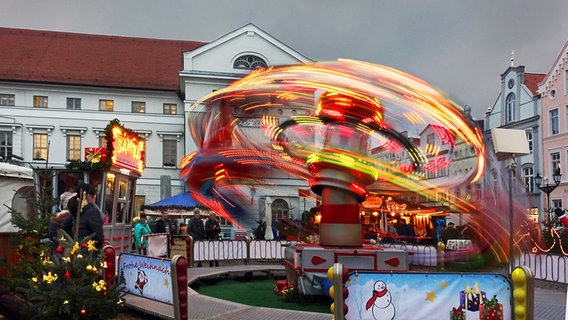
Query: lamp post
x=548 y=188
x=252 y=193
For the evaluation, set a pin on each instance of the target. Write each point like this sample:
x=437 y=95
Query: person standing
x=163 y=225
x=140 y=229
x=213 y=232
x=89 y=218
x=450 y=232
x=196 y=229
x=260 y=230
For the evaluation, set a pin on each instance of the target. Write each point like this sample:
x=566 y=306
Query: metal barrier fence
x=549 y=267
x=544 y=266
x=207 y=250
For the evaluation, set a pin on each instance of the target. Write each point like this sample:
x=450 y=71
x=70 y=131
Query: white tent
x=15 y=182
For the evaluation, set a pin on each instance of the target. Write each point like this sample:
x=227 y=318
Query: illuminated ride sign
x=128 y=150
x=125 y=149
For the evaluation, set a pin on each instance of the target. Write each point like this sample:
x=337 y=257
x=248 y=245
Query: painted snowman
x=381 y=300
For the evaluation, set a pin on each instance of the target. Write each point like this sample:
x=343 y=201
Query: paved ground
x=549 y=301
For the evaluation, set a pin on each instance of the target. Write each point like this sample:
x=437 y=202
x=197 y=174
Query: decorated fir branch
x=64 y=280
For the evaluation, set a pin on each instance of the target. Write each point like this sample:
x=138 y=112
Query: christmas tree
x=61 y=281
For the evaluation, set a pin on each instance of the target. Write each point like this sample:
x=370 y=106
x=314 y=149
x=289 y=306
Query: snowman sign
x=388 y=295
x=381 y=302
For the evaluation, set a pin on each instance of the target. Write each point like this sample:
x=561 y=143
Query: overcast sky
x=459 y=46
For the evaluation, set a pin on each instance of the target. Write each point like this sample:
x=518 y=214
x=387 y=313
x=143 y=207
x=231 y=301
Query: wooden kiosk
x=113 y=172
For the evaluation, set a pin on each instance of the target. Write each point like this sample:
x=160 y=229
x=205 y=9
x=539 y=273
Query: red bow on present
x=457 y=312
x=376 y=294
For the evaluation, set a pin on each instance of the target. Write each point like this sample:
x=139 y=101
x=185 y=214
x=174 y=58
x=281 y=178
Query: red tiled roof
x=532 y=80
x=84 y=59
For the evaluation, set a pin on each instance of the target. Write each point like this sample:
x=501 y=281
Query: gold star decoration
x=444 y=284
x=430 y=296
x=166 y=282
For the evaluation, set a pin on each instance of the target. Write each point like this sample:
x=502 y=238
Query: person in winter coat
x=212 y=232
x=140 y=229
x=89 y=220
x=196 y=229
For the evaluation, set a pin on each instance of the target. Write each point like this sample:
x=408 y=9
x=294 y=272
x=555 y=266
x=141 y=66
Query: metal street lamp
x=548 y=188
x=252 y=193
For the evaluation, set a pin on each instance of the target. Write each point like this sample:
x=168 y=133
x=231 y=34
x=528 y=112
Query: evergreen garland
x=100 y=166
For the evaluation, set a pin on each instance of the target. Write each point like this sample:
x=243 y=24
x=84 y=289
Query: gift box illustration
x=457 y=313
x=471 y=297
x=491 y=309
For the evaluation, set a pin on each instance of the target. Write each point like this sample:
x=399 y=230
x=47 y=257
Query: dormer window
x=249 y=62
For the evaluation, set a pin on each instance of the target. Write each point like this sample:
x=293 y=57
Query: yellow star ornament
x=430 y=296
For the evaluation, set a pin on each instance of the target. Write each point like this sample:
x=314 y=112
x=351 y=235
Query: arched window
x=249 y=62
x=280 y=208
x=511 y=102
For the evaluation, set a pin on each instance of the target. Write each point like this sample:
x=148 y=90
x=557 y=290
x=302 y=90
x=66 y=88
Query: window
x=280 y=208
x=528 y=174
x=510 y=111
x=553 y=114
x=430 y=139
x=556 y=203
x=74 y=103
x=250 y=62
x=106 y=105
x=554 y=162
x=566 y=81
x=7 y=99
x=529 y=134
x=102 y=141
x=6 y=144
x=40 y=146
x=40 y=102
x=138 y=107
x=73 y=147
x=169 y=152
x=170 y=108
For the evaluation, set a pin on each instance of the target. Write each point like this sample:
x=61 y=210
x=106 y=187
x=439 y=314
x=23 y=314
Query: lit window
x=74 y=103
x=6 y=144
x=169 y=153
x=40 y=146
x=40 y=102
x=170 y=108
x=138 y=107
x=73 y=147
x=106 y=105
x=7 y=99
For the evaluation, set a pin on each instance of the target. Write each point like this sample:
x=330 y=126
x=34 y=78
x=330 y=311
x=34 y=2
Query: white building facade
x=57 y=101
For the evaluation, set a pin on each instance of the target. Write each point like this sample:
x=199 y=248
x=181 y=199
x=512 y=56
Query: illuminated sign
x=127 y=150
